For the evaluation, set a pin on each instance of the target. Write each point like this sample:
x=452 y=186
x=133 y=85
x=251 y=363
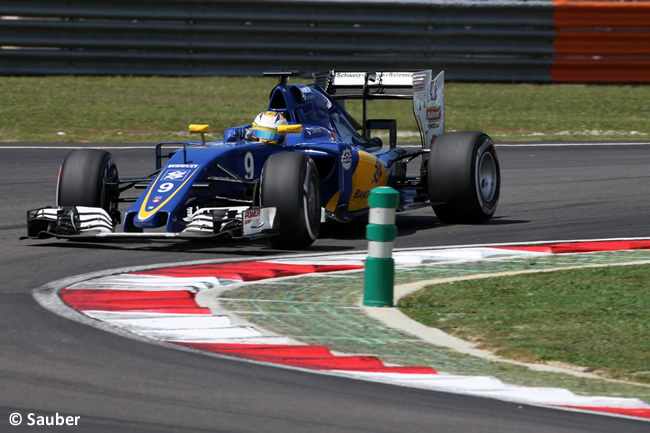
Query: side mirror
x=289 y=129
x=200 y=129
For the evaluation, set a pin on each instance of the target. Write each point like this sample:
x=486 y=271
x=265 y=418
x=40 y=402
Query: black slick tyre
x=88 y=177
x=463 y=177
x=290 y=183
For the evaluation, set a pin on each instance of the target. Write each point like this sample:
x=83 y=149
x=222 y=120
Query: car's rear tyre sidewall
x=463 y=177
x=88 y=177
x=290 y=183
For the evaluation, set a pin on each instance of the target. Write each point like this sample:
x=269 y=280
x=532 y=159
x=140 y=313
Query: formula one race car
x=305 y=160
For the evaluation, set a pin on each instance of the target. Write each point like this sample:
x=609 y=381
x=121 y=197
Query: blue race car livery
x=312 y=163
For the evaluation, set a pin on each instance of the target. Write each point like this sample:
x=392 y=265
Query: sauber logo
x=433 y=92
x=378 y=171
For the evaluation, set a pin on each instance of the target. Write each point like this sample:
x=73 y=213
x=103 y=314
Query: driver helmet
x=265 y=127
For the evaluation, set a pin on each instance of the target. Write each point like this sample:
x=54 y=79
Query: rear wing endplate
x=426 y=91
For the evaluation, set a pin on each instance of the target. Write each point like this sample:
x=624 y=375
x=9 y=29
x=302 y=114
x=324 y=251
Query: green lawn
x=150 y=109
x=596 y=318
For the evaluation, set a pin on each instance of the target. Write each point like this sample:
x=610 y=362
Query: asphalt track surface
x=49 y=364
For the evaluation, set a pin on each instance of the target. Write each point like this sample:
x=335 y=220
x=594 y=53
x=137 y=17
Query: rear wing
x=426 y=92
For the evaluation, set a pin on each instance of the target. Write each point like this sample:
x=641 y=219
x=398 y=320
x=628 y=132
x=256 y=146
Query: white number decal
x=165 y=187
x=249 y=165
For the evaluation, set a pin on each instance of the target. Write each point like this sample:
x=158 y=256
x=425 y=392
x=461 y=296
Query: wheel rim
x=487 y=177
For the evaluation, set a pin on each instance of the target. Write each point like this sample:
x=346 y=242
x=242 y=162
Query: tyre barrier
x=160 y=305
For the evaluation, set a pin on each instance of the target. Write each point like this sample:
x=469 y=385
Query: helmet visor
x=264 y=135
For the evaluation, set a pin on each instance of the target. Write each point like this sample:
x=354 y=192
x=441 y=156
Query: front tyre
x=463 y=177
x=291 y=184
x=88 y=177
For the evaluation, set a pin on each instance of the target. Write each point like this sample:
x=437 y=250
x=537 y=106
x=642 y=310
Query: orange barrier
x=601 y=41
x=571 y=13
x=600 y=71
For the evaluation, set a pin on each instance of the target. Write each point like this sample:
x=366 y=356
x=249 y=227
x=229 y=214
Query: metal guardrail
x=471 y=41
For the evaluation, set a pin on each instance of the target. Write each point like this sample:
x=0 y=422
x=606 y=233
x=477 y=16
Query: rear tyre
x=463 y=177
x=290 y=183
x=88 y=177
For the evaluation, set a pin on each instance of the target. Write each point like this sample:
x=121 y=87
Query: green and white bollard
x=381 y=233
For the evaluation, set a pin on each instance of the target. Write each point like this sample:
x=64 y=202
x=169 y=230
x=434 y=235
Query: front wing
x=95 y=224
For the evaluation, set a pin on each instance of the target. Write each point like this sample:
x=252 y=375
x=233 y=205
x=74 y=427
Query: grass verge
x=150 y=109
x=324 y=309
x=595 y=318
